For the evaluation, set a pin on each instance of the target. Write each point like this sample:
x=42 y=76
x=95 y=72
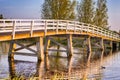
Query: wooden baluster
x=13 y=30
x=31 y=28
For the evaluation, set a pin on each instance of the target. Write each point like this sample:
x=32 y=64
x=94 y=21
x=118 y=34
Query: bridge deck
x=18 y=29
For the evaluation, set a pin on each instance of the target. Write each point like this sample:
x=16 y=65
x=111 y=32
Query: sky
x=31 y=9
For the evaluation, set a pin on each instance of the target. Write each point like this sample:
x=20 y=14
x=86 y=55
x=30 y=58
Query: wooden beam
x=26 y=46
x=23 y=46
x=111 y=46
x=11 y=59
x=47 y=44
x=11 y=49
x=57 y=43
x=40 y=49
x=25 y=54
x=57 y=50
x=69 y=45
x=89 y=50
x=103 y=49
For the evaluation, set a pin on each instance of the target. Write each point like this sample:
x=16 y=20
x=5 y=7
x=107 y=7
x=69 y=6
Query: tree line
x=1 y=16
x=87 y=11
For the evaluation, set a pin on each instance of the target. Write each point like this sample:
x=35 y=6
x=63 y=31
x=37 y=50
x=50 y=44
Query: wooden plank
x=57 y=50
x=90 y=50
x=103 y=49
x=13 y=30
x=40 y=49
x=69 y=45
x=25 y=54
x=47 y=44
x=31 y=28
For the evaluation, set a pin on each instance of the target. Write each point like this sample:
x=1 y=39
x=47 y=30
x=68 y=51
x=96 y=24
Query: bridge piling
x=103 y=49
x=111 y=46
x=11 y=58
x=89 y=50
x=69 y=45
x=119 y=45
x=47 y=44
x=40 y=49
x=11 y=49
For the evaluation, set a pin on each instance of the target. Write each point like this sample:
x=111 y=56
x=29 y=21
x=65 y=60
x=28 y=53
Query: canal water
x=73 y=68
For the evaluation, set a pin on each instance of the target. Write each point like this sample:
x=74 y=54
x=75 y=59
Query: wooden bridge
x=15 y=29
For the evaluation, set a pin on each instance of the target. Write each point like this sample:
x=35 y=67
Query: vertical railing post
x=45 y=27
x=75 y=26
x=13 y=30
x=82 y=29
x=92 y=29
x=66 y=26
x=88 y=28
x=4 y=23
x=31 y=28
x=57 y=26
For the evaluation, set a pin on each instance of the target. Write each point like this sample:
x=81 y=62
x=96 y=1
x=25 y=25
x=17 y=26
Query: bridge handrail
x=15 y=25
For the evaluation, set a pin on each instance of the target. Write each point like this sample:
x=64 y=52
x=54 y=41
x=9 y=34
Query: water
x=74 y=67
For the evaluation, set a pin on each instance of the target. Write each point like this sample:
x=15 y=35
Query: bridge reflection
x=60 y=67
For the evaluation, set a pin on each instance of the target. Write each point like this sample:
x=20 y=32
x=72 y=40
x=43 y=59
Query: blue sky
x=32 y=8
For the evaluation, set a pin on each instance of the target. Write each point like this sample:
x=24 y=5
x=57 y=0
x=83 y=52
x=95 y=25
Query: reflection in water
x=73 y=68
x=68 y=68
x=11 y=67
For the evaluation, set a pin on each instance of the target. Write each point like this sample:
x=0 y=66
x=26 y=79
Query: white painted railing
x=18 y=25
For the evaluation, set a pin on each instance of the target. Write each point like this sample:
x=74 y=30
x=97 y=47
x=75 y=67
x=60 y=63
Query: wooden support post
x=102 y=54
x=69 y=65
x=119 y=45
x=89 y=50
x=46 y=61
x=40 y=51
x=11 y=49
x=47 y=44
x=69 y=45
x=11 y=68
x=58 y=47
x=111 y=46
x=11 y=59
